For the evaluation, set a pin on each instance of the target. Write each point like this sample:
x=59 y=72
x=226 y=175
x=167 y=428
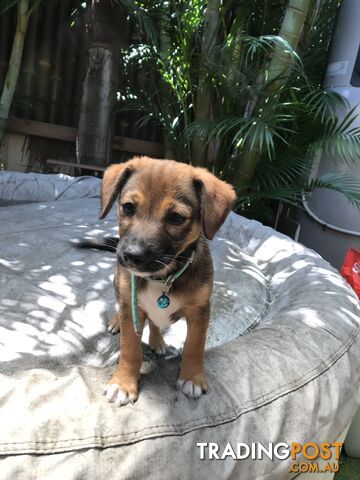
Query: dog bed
x=282 y=360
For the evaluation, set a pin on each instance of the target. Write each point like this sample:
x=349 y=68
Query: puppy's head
x=163 y=208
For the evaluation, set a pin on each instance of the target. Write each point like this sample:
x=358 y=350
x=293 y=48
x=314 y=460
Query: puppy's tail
x=106 y=243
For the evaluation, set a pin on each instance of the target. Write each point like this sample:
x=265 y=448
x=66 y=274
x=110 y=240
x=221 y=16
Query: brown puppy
x=166 y=212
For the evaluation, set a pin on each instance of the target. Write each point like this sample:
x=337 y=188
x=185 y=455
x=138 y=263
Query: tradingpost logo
x=307 y=457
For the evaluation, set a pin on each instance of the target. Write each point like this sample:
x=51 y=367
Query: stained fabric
x=283 y=354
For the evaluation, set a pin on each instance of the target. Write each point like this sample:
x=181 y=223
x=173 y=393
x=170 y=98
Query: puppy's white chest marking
x=148 y=302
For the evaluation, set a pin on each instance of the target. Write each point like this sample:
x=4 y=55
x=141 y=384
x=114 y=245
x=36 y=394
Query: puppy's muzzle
x=135 y=255
x=139 y=255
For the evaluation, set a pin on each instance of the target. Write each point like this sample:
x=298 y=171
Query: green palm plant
x=239 y=91
x=169 y=66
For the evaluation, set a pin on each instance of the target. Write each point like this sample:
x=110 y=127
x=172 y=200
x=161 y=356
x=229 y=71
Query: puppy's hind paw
x=114 y=326
x=159 y=346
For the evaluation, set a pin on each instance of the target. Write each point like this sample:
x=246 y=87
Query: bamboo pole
x=279 y=70
x=203 y=96
x=5 y=23
x=165 y=48
x=44 y=62
x=14 y=64
x=69 y=77
x=28 y=71
x=291 y=30
x=82 y=43
x=58 y=58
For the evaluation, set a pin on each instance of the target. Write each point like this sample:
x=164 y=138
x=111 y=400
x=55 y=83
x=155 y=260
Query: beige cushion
x=288 y=370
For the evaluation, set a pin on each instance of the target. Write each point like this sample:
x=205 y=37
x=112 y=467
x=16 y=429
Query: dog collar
x=163 y=301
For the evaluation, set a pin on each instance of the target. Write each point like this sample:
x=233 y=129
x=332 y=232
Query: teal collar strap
x=163 y=301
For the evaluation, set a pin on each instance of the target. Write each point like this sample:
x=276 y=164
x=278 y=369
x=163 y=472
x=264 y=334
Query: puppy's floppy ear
x=113 y=181
x=217 y=198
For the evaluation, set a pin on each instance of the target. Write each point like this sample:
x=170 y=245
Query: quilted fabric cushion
x=283 y=357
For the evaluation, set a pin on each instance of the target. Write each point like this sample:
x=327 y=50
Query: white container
x=330 y=224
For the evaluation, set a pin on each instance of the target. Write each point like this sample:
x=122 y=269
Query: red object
x=350 y=269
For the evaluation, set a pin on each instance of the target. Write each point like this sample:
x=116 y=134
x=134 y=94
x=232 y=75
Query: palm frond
x=323 y=105
x=266 y=44
x=341 y=140
x=285 y=193
x=340 y=182
x=291 y=168
x=143 y=19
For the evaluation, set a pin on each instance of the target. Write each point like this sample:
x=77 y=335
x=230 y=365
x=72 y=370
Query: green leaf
x=341 y=140
x=6 y=4
x=343 y=183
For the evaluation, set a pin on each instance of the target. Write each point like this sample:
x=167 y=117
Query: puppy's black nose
x=134 y=254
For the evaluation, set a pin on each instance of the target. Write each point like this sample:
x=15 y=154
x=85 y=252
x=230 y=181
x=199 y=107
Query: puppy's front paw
x=193 y=387
x=119 y=394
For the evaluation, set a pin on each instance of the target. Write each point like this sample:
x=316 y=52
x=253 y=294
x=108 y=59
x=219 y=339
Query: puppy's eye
x=128 y=209
x=175 y=218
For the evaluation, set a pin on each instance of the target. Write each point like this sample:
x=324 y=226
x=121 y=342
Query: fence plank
x=68 y=134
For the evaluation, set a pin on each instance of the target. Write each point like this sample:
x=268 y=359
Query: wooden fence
x=50 y=84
